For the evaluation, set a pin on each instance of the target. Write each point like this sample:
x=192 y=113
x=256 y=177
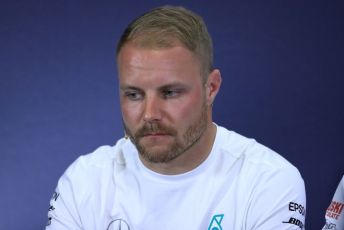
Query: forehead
x=139 y=62
x=135 y=51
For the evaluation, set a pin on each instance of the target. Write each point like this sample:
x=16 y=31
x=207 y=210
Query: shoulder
x=265 y=177
x=80 y=187
x=94 y=168
x=267 y=171
x=251 y=152
x=101 y=158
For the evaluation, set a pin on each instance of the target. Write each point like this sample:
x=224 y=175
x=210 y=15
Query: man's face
x=163 y=100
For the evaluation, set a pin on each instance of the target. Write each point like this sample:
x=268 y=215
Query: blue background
x=282 y=64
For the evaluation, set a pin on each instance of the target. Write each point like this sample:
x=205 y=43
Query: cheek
x=186 y=111
x=130 y=113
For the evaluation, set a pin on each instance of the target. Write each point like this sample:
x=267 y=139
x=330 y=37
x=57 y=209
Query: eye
x=170 y=93
x=133 y=95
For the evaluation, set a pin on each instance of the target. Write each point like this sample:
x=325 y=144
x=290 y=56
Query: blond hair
x=168 y=26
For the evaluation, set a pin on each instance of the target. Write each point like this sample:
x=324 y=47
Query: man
x=334 y=213
x=177 y=169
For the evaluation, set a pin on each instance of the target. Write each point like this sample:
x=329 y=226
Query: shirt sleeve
x=63 y=212
x=279 y=202
x=334 y=214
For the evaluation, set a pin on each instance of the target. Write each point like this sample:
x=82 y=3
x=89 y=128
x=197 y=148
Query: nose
x=152 y=110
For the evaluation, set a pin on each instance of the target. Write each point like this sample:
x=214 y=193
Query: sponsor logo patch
x=118 y=224
x=330 y=225
x=334 y=210
x=295 y=207
x=294 y=221
x=215 y=223
x=51 y=207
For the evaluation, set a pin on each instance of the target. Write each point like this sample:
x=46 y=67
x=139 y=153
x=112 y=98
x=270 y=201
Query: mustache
x=149 y=128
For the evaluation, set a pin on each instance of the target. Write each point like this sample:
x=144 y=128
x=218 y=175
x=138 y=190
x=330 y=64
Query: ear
x=213 y=86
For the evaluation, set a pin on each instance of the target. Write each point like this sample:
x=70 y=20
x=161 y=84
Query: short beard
x=191 y=136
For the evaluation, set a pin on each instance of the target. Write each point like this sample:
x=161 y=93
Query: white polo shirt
x=241 y=185
x=335 y=212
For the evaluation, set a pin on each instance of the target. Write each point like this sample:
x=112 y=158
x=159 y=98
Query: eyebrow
x=163 y=87
x=173 y=85
x=129 y=87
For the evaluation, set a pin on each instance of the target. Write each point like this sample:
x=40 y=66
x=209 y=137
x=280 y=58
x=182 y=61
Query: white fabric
x=241 y=185
x=335 y=212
